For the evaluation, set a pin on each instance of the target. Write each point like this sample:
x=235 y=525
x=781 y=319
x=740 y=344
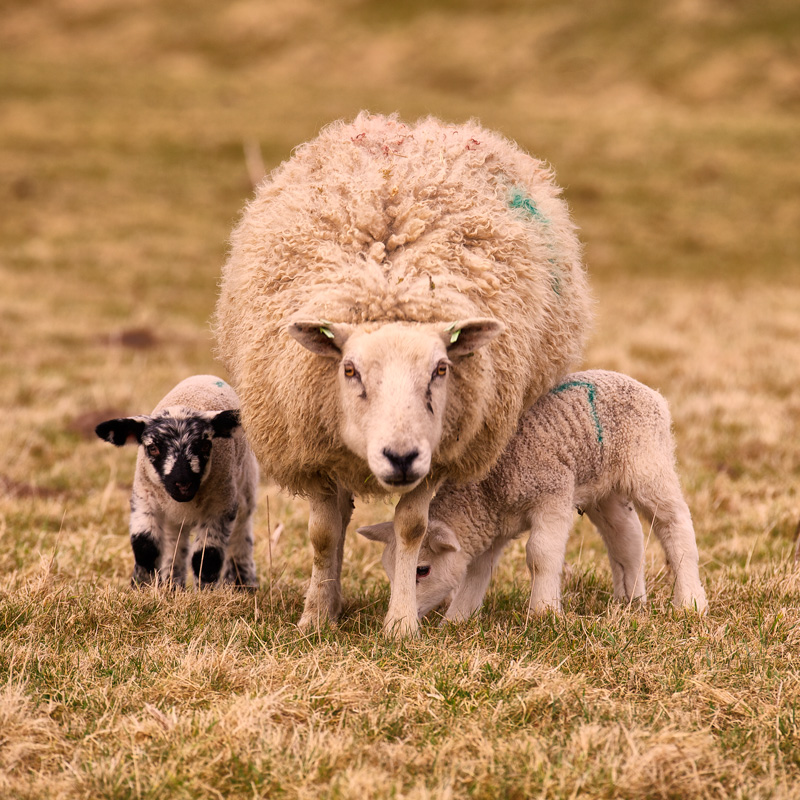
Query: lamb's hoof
x=697 y=603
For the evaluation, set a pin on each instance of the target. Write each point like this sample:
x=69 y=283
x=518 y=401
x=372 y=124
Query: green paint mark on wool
x=520 y=199
x=219 y=383
x=591 y=391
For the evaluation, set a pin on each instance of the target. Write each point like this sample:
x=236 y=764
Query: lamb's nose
x=183 y=487
x=401 y=463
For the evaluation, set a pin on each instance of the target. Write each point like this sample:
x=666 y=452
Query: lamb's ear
x=441 y=537
x=225 y=423
x=128 y=430
x=321 y=337
x=468 y=335
x=382 y=532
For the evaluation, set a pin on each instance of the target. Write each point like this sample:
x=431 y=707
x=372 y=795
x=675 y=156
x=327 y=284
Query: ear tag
x=324 y=329
x=455 y=334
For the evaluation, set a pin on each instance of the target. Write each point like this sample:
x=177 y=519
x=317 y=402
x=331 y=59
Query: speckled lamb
x=194 y=471
x=396 y=295
x=601 y=442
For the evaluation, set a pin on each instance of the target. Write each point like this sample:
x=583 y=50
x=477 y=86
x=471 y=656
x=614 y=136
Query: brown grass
x=126 y=133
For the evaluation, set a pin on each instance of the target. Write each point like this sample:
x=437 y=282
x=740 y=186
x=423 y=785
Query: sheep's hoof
x=400 y=628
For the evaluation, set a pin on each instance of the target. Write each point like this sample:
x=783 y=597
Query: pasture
x=130 y=134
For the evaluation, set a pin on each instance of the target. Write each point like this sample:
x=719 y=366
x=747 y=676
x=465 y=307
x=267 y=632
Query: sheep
x=405 y=292
x=601 y=442
x=194 y=470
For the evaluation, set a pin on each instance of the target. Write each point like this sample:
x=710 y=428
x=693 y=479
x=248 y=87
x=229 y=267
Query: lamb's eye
x=349 y=370
x=423 y=572
x=205 y=447
x=152 y=450
x=441 y=369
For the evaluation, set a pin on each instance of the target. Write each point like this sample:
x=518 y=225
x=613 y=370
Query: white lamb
x=194 y=471
x=600 y=442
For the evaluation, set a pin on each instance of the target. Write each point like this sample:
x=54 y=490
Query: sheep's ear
x=441 y=537
x=225 y=423
x=128 y=430
x=382 y=532
x=320 y=337
x=466 y=336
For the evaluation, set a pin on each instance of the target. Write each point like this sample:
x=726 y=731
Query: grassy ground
x=673 y=128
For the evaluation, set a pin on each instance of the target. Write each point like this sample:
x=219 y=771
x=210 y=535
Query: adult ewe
x=395 y=296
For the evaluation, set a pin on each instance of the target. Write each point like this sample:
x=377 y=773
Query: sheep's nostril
x=401 y=461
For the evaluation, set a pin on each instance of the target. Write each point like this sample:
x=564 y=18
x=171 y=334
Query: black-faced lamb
x=405 y=292
x=600 y=442
x=194 y=472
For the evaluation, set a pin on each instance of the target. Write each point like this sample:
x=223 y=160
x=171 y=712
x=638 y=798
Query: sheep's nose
x=183 y=487
x=401 y=464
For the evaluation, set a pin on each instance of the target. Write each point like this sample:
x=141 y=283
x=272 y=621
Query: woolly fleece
x=377 y=221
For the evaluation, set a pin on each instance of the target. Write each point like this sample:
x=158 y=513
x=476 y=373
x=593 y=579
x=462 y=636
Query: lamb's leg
x=661 y=501
x=545 y=552
x=410 y=524
x=146 y=541
x=240 y=567
x=618 y=524
x=210 y=546
x=174 y=555
x=326 y=531
x=470 y=594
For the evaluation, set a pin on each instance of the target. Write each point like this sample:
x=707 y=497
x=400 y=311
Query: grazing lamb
x=194 y=470
x=405 y=292
x=600 y=442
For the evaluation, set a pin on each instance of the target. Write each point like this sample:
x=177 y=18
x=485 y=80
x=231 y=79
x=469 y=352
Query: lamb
x=405 y=292
x=601 y=442
x=194 y=470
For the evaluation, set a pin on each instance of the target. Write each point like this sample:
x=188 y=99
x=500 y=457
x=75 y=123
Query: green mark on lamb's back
x=221 y=384
x=521 y=200
x=591 y=391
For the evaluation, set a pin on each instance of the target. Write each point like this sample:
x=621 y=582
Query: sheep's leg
x=470 y=594
x=210 y=546
x=326 y=531
x=661 y=502
x=240 y=568
x=618 y=524
x=410 y=524
x=545 y=552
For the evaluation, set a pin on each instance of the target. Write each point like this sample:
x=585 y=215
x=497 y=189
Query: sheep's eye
x=205 y=447
x=349 y=370
x=152 y=450
x=441 y=370
x=423 y=572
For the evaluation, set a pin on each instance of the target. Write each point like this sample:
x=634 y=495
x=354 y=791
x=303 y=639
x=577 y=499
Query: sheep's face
x=441 y=564
x=177 y=445
x=392 y=385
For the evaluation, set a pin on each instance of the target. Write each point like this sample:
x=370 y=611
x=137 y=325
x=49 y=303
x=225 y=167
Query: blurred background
x=131 y=132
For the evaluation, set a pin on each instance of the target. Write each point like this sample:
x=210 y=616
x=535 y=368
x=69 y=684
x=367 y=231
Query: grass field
x=674 y=129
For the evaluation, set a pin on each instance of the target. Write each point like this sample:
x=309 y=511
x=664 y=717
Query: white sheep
x=396 y=255
x=600 y=442
x=194 y=471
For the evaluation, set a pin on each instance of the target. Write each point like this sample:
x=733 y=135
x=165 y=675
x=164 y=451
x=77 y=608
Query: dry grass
x=122 y=168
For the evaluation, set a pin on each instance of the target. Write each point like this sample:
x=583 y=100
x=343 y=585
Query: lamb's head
x=392 y=384
x=177 y=444
x=441 y=564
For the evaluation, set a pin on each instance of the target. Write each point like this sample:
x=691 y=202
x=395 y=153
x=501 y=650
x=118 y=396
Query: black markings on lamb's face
x=179 y=450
